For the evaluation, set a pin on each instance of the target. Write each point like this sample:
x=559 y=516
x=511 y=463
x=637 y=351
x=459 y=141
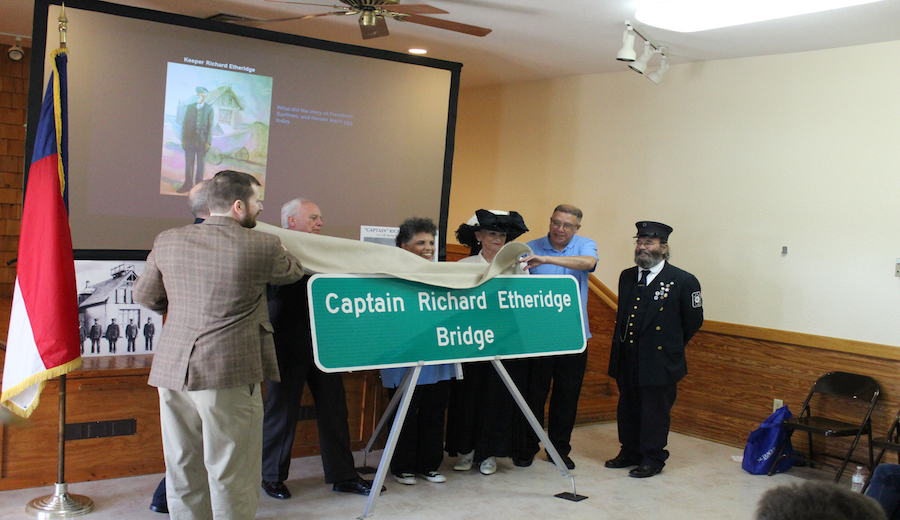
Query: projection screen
x=366 y=134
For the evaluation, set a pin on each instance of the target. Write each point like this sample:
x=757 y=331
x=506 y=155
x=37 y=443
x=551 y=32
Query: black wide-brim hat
x=649 y=229
x=510 y=223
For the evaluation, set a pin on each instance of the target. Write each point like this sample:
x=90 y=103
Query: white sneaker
x=407 y=479
x=464 y=463
x=489 y=466
x=434 y=476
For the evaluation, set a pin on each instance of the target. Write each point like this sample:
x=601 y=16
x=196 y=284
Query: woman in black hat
x=488 y=231
x=482 y=416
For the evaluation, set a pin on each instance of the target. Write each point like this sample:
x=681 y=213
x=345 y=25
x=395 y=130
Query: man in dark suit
x=149 y=332
x=131 y=331
x=660 y=310
x=112 y=335
x=215 y=350
x=95 y=335
x=289 y=310
x=196 y=139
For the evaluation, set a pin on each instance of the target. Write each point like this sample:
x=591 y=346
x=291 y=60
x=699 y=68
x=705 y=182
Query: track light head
x=657 y=75
x=640 y=65
x=626 y=53
x=16 y=53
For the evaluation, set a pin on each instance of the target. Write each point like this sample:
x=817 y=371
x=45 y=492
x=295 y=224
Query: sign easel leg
x=538 y=430
x=406 y=388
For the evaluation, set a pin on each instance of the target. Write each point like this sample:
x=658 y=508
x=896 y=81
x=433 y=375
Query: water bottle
x=858 y=480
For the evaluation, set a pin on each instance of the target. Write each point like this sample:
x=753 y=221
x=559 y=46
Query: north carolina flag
x=43 y=340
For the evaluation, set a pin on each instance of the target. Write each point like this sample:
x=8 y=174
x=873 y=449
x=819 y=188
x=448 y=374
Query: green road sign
x=366 y=322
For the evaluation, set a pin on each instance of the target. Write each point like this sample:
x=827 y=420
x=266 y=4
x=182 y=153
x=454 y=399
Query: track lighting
x=15 y=53
x=640 y=65
x=656 y=75
x=626 y=53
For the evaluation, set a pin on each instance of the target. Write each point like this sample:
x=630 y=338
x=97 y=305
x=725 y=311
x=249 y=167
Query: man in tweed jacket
x=215 y=349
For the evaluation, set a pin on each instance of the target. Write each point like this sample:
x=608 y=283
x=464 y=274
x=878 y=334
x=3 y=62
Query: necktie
x=643 y=280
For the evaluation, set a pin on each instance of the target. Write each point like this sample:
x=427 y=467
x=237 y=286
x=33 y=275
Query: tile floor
x=700 y=482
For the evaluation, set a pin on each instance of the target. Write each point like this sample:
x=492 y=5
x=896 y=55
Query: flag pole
x=61 y=504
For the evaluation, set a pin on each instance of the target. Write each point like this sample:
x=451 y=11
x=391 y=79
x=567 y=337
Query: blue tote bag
x=763 y=443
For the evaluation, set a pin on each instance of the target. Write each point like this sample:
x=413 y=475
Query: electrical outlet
x=776 y=404
x=897 y=268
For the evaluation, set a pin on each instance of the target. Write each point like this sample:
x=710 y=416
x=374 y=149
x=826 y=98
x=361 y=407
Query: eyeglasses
x=565 y=225
x=648 y=243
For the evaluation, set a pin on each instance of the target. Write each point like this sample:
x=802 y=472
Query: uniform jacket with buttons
x=672 y=318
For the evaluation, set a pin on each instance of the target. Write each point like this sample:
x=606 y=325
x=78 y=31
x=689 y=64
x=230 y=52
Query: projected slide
x=155 y=107
x=217 y=118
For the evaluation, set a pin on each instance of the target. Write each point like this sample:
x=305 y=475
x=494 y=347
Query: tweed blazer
x=210 y=279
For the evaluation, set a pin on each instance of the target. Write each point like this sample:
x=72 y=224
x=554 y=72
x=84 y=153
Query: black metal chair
x=854 y=388
x=891 y=442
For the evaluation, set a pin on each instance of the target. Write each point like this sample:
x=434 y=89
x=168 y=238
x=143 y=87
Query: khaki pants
x=212 y=443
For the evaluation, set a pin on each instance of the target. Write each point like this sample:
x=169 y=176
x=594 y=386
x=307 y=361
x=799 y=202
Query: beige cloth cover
x=332 y=255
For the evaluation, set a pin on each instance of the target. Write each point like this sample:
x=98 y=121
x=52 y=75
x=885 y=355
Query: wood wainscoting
x=115 y=389
x=735 y=373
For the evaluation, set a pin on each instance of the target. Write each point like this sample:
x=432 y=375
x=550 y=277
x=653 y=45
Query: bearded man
x=660 y=310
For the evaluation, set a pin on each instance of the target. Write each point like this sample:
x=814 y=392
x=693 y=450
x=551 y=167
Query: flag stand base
x=60 y=504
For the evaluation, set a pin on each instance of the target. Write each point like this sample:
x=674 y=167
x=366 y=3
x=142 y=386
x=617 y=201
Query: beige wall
x=740 y=156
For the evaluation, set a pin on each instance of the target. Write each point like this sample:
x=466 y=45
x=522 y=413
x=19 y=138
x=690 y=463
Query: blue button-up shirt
x=578 y=246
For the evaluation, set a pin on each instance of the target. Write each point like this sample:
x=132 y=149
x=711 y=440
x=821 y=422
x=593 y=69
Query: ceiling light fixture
x=657 y=75
x=640 y=64
x=16 y=53
x=702 y=15
x=418 y=51
x=626 y=53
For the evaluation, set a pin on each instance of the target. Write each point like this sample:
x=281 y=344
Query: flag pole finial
x=62 y=26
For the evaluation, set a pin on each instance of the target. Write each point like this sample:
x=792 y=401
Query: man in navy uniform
x=112 y=335
x=660 y=310
x=131 y=332
x=95 y=335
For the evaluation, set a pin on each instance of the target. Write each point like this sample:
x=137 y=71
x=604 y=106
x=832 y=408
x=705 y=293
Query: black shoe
x=159 y=509
x=184 y=188
x=621 y=461
x=360 y=486
x=566 y=460
x=644 y=471
x=276 y=490
x=523 y=462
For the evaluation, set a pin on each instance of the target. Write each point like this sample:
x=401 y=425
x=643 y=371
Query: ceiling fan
x=372 y=13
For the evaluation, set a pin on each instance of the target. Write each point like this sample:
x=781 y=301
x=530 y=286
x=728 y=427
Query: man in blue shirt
x=560 y=252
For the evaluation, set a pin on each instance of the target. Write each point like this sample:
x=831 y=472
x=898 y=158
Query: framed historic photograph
x=110 y=322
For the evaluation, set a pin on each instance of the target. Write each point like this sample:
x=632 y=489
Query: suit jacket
x=149 y=329
x=131 y=331
x=112 y=332
x=211 y=280
x=196 y=130
x=671 y=320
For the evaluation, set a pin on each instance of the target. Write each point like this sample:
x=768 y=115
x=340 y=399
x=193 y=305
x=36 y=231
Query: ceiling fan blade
x=304 y=3
x=375 y=31
x=412 y=9
x=303 y=17
x=447 y=24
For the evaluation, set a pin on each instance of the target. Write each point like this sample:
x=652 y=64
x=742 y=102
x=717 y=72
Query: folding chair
x=853 y=388
x=891 y=442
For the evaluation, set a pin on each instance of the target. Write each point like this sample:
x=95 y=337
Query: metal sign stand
x=403 y=396
x=407 y=387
